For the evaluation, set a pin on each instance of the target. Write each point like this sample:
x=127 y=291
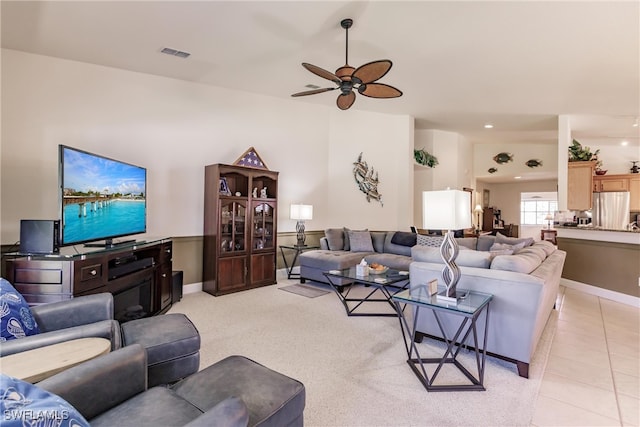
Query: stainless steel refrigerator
x=611 y=210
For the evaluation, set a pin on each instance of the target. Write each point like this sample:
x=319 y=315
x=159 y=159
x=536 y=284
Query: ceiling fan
x=348 y=79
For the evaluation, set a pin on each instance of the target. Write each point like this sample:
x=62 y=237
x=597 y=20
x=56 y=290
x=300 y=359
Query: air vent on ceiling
x=174 y=52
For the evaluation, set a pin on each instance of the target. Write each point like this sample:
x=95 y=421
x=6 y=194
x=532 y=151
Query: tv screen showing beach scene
x=100 y=198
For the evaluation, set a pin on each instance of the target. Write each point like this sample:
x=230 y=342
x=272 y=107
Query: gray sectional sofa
x=524 y=286
x=523 y=276
x=337 y=252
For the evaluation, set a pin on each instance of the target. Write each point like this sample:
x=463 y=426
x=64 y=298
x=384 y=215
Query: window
x=533 y=211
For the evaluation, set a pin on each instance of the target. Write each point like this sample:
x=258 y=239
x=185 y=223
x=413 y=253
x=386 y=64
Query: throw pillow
x=360 y=241
x=501 y=238
x=432 y=241
x=347 y=243
x=335 y=238
x=403 y=238
x=26 y=404
x=502 y=246
x=16 y=320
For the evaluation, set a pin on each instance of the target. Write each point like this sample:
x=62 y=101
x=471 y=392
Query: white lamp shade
x=548 y=217
x=446 y=210
x=478 y=209
x=301 y=212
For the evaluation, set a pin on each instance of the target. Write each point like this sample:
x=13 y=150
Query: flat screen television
x=100 y=198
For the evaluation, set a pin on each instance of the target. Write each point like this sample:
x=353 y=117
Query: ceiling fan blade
x=346 y=101
x=321 y=72
x=379 y=90
x=314 y=91
x=372 y=71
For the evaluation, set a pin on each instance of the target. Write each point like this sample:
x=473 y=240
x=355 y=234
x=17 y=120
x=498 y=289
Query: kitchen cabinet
x=239 y=250
x=580 y=185
x=610 y=183
x=624 y=182
x=634 y=189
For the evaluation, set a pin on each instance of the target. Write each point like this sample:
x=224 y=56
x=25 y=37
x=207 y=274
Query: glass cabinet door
x=232 y=226
x=263 y=220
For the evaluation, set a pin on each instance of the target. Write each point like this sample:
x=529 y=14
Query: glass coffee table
x=383 y=287
x=469 y=307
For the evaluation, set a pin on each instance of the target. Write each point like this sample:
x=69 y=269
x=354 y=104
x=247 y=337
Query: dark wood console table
x=138 y=274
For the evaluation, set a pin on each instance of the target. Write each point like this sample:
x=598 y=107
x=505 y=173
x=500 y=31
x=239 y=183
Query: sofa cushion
x=501 y=238
x=360 y=241
x=398 y=262
x=466 y=258
x=392 y=248
x=433 y=241
x=546 y=246
x=330 y=260
x=485 y=242
x=16 y=319
x=537 y=251
x=404 y=238
x=519 y=263
x=378 y=238
x=468 y=242
x=335 y=238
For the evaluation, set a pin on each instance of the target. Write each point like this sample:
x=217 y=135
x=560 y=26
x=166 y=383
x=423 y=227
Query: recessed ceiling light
x=517 y=177
x=488 y=126
x=625 y=143
x=635 y=123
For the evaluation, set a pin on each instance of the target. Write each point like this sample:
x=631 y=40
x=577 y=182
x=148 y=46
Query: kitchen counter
x=605 y=259
x=599 y=234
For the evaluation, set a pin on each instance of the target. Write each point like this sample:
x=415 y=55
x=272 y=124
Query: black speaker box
x=176 y=282
x=39 y=236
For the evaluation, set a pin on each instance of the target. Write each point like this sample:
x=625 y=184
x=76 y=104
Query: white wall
x=174 y=128
x=454 y=169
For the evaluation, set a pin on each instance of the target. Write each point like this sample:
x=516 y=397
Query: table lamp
x=447 y=210
x=548 y=218
x=301 y=213
x=478 y=210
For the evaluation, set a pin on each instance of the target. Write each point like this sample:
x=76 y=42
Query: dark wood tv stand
x=138 y=275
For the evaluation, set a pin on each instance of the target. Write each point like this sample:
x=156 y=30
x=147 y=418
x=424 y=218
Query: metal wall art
x=492 y=170
x=502 y=158
x=367 y=180
x=534 y=163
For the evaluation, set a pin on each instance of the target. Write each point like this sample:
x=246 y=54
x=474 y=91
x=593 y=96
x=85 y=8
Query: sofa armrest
x=99 y=384
x=231 y=412
x=109 y=329
x=74 y=312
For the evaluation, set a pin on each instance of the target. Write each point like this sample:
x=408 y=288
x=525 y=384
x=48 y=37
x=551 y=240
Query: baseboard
x=192 y=288
x=602 y=293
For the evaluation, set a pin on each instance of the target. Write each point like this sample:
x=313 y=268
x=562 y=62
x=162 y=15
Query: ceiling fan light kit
x=349 y=79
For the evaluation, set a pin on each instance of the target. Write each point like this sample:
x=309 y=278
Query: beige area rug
x=354 y=368
x=304 y=290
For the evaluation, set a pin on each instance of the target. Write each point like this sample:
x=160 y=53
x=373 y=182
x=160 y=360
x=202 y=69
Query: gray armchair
x=234 y=392
x=80 y=317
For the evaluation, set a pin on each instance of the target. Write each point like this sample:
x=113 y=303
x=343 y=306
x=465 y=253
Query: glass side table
x=470 y=306
x=297 y=251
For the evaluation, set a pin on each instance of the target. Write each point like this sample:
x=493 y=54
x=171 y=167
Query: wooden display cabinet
x=240 y=228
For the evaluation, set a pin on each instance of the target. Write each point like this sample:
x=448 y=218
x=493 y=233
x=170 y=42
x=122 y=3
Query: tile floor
x=592 y=376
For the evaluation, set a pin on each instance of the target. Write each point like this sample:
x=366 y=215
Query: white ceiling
x=515 y=64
